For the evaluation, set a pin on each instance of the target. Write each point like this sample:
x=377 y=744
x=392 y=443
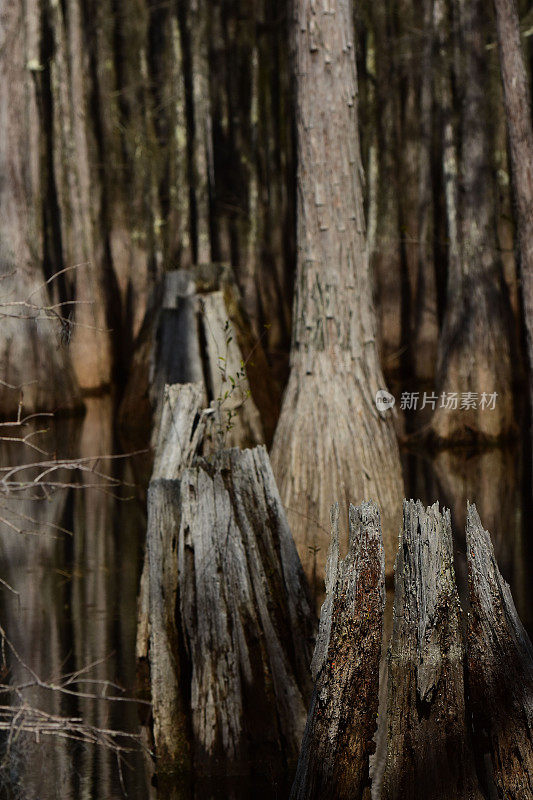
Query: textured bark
x=78 y=188
x=142 y=164
x=429 y=755
x=178 y=435
x=177 y=438
x=450 y=167
x=196 y=340
x=334 y=757
x=474 y=350
x=245 y=618
x=175 y=355
x=31 y=360
x=517 y=99
x=460 y=480
x=168 y=705
x=330 y=440
x=500 y=669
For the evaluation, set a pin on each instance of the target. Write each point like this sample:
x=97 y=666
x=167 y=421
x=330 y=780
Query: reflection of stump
x=196 y=331
x=500 y=668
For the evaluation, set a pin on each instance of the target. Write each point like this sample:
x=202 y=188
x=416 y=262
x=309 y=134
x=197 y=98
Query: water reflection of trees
x=75 y=606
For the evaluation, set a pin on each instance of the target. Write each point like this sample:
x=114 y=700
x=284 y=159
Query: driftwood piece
x=334 y=758
x=500 y=668
x=246 y=620
x=429 y=756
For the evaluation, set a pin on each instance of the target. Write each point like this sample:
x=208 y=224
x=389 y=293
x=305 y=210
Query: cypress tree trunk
x=331 y=441
x=386 y=259
x=517 y=99
x=30 y=358
x=78 y=187
x=474 y=351
x=425 y=322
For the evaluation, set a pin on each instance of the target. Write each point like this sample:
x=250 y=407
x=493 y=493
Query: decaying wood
x=196 y=331
x=244 y=612
x=225 y=373
x=181 y=428
x=170 y=720
x=175 y=355
x=429 y=755
x=178 y=440
x=334 y=758
x=500 y=668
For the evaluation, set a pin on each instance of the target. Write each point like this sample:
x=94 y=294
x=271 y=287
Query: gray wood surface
x=246 y=621
x=429 y=756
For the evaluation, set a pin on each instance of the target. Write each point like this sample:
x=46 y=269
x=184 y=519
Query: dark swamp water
x=76 y=566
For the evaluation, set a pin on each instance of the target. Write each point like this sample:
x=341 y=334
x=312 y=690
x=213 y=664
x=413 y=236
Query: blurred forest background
x=140 y=137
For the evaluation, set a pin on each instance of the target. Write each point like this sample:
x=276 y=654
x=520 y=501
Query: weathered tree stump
x=334 y=758
x=246 y=623
x=179 y=439
x=196 y=331
x=168 y=706
x=179 y=430
x=500 y=669
x=429 y=756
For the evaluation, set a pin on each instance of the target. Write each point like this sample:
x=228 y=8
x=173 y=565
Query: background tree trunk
x=386 y=257
x=474 y=350
x=517 y=99
x=330 y=440
x=31 y=359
